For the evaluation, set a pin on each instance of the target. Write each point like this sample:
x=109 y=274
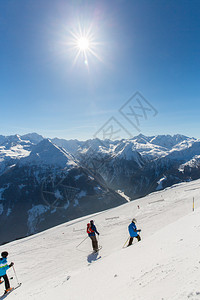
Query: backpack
x=89 y=228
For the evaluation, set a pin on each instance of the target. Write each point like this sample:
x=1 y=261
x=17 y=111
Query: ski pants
x=94 y=242
x=7 y=283
x=131 y=239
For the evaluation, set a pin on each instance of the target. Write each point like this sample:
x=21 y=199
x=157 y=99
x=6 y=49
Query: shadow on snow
x=92 y=257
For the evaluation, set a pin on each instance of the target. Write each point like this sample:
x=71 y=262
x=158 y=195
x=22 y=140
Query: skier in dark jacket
x=91 y=230
x=3 y=268
x=133 y=231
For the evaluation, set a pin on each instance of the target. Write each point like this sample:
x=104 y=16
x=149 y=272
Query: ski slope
x=164 y=265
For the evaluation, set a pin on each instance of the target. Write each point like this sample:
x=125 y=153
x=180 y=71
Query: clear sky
x=50 y=85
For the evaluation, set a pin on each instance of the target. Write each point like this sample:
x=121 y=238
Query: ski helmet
x=91 y=221
x=134 y=220
x=4 y=254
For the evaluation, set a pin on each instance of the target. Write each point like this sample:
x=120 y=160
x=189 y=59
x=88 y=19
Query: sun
x=83 y=44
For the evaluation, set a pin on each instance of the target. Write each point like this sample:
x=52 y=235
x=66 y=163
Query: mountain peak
x=47 y=153
x=32 y=137
x=168 y=141
x=140 y=138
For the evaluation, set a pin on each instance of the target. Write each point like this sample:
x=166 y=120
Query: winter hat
x=91 y=222
x=4 y=254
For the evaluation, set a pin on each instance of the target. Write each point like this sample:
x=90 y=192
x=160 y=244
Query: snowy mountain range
x=164 y=265
x=45 y=182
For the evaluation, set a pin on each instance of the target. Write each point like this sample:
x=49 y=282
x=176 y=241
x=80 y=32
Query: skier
x=3 y=268
x=91 y=230
x=133 y=231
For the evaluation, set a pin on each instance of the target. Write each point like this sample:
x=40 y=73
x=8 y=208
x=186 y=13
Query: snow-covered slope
x=165 y=265
x=12 y=149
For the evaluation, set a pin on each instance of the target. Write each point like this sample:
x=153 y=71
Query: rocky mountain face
x=46 y=182
x=143 y=164
x=43 y=185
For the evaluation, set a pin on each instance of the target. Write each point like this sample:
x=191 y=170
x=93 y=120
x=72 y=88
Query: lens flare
x=83 y=44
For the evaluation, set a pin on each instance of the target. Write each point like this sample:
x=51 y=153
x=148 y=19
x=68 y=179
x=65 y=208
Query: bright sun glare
x=83 y=44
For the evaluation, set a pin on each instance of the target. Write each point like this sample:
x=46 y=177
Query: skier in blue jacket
x=133 y=231
x=3 y=268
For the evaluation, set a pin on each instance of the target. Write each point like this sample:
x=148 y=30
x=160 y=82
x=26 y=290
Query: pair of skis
x=8 y=293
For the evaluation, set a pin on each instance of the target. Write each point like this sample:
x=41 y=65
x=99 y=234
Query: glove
x=98 y=233
x=139 y=230
x=10 y=265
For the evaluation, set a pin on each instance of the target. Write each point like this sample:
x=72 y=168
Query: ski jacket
x=3 y=266
x=133 y=230
x=91 y=229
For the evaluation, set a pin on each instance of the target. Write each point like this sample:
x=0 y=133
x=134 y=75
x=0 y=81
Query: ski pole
x=16 y=275
x=81 y=242
x=125 y=242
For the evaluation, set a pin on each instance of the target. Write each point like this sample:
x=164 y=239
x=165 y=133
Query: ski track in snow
x=165 y=265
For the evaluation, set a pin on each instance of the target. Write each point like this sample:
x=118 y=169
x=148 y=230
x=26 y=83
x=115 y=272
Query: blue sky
x=148 y=46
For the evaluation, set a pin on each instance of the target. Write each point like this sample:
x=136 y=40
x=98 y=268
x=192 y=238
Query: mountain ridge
x=53 y=180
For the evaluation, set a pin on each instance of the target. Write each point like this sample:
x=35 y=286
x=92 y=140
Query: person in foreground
x=133 y=231
x=3 y=268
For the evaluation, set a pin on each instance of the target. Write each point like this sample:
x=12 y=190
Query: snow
x=121 y=193
x=128 y=152
x=45 y=152
x=160 y=183
x=184 y=144
x=33 y=149
x=168 y=141
x=150 y=150
x=17 y=151
x=33 y=213
x=165 y=265
x=148 y=147
x=193 y=163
